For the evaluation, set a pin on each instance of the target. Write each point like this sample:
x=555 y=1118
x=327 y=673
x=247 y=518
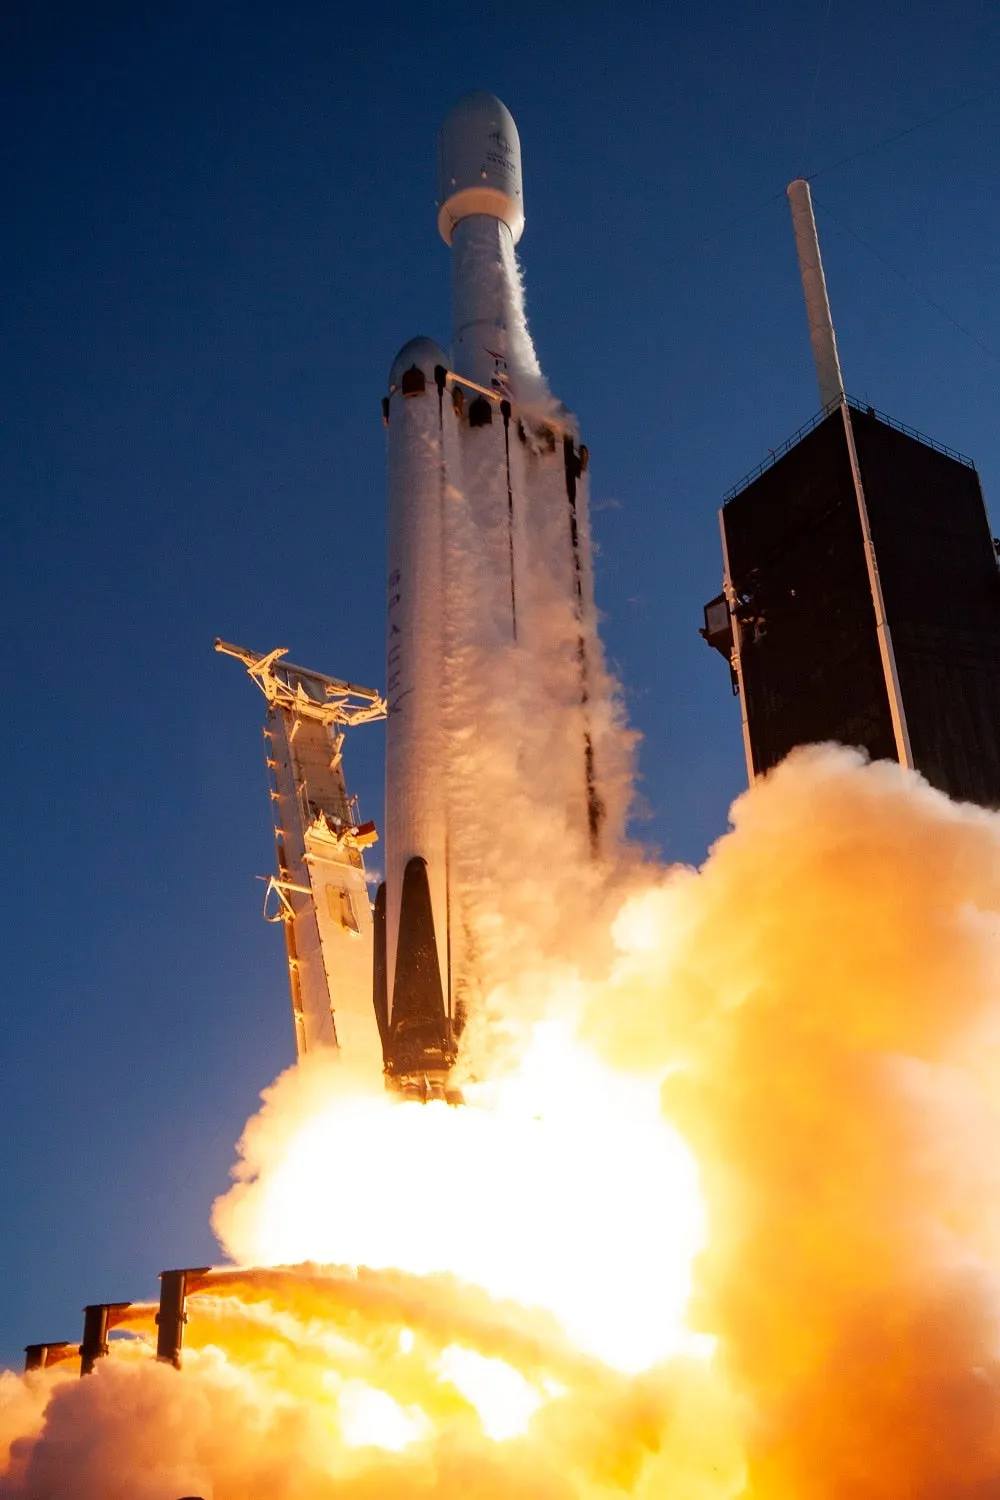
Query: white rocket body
x=491 y=627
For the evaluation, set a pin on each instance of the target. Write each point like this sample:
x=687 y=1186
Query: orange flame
x=816 y=1011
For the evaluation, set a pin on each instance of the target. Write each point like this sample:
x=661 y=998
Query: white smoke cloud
x=820 y=1002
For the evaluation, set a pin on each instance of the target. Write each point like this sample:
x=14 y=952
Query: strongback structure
x=319 y=894
x=861 y=598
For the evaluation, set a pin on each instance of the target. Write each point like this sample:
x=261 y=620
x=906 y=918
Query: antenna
x=821 y=334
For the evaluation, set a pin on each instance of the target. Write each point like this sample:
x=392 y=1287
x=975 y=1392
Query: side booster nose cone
x=412 y=985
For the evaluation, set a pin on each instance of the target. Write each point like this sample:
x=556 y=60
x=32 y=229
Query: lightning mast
x=319 y=894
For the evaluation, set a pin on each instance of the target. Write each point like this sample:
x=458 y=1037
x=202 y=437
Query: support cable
x=943 y=311
x=688 y=250
x=900 y=135
x=811 y=108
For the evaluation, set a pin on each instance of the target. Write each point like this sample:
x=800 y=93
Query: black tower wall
x=809 y=654
x=942 y=599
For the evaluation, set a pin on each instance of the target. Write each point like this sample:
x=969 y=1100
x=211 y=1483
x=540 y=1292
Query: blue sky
x=220 y=228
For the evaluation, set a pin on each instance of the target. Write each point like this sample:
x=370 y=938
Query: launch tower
x=319 y=895
x=861 y=597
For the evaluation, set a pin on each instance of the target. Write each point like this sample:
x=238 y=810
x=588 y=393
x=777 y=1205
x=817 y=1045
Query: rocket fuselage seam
x=594 y=808
x=440 y=376
x=505 y=413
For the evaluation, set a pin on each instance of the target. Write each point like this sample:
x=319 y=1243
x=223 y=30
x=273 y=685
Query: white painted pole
x=821 y=334
x=901 y=734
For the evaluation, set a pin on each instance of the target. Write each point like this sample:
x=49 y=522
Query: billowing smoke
x=827 y=988
x=817 y=1011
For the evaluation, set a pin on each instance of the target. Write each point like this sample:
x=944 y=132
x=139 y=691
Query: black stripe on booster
x=505 y=413
x=380 y=972
x=419 y=1036
x=440 y=378
x=595 y=807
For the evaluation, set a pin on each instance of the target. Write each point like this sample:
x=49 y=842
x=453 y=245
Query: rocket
x=498 y=713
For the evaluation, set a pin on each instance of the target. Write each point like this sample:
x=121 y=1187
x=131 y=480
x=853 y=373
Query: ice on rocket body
x=490 y=617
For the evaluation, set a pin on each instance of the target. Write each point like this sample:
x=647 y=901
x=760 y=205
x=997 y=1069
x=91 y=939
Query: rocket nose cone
x=476 y=107
x=421 y=352
x=479 y=164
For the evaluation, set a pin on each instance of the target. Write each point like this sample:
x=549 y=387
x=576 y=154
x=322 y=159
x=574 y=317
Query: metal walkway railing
x=860 y=406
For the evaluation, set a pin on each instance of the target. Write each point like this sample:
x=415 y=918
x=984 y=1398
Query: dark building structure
x=861 y=594
x=862 y=602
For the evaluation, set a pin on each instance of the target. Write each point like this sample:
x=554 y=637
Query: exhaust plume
x=826 y=989
x=816 y=1010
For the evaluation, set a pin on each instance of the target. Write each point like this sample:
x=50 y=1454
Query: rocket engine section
x=491 y=623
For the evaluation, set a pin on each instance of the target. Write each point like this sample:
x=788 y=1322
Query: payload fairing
x=498 y=704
